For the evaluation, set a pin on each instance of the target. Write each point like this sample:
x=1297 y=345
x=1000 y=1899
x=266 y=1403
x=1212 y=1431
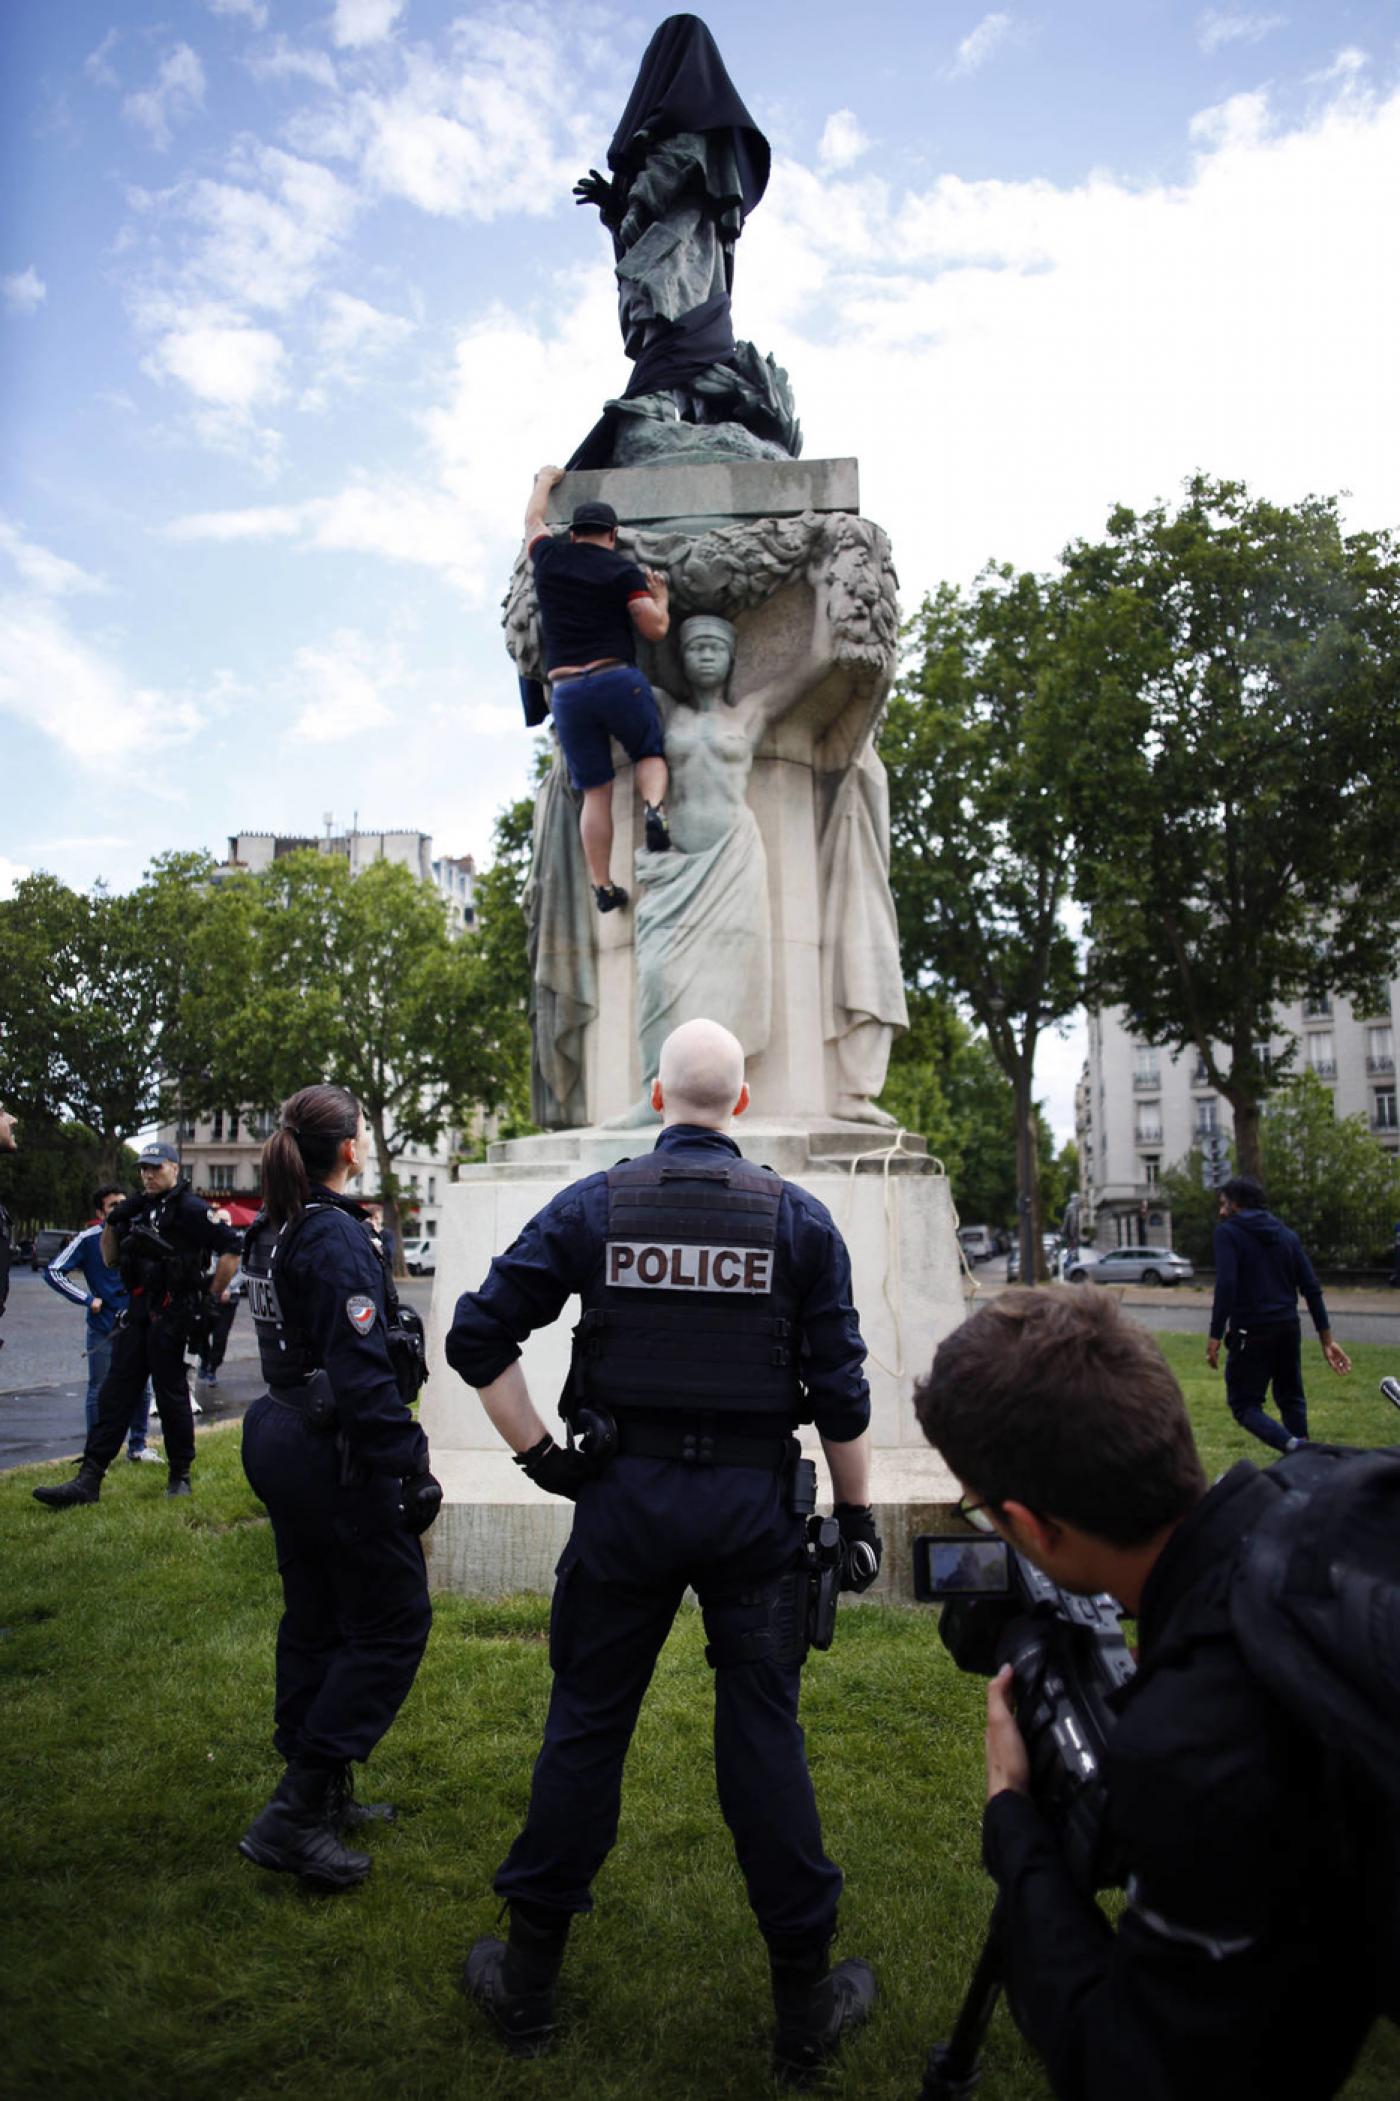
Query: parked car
x=420 y=1257
x=977 y=1243
x=49 y=1243
x=1130 y=1265
x=1051 y=1244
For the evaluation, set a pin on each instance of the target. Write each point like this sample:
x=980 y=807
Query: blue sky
x=294 y=298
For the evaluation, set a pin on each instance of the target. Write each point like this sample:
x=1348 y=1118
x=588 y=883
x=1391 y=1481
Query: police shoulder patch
x=360 y=1311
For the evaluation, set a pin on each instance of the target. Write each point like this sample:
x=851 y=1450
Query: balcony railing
x=1143 y=1080
x=1199 y=1076
x=1149 y=1134
x=1325 y=1068
x=1380 y=1061
x=1385 y=1126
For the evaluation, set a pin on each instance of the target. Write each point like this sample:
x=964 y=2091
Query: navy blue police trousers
x=642 y=1532
x=356 y=1612
x=145 y=1347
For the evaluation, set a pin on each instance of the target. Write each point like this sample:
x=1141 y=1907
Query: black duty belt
x=700 y=1447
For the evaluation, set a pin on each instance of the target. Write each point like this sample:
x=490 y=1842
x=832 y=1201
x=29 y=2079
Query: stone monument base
x=497 y=1532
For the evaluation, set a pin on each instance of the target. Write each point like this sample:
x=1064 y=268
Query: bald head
x=701 y=1076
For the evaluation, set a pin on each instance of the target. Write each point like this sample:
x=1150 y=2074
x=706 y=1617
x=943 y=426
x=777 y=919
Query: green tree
x=93 y=1000
x=1236 y=668
x=1327 y=1177
x=49 y=1180
x=305 y=973
x=503 y=947
x=945 y=1084
x=980 y=845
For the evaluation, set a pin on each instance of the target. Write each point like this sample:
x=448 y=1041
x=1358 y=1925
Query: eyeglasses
x=975 y=1514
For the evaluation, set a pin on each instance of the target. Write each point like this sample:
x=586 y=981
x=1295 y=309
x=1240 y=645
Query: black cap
x=593 y=518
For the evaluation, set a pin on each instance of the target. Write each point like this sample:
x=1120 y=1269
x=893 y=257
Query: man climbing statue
x=594 y=603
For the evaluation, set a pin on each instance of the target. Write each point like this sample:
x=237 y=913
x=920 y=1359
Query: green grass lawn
x=140 y=1957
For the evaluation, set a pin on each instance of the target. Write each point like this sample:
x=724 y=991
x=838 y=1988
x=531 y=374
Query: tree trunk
x=1027 y=1207
x=387 y=1185
x=1248 y=1152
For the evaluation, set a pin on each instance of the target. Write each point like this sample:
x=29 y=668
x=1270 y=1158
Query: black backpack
x=1315 y=1608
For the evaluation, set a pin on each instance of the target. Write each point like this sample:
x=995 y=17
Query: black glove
x=422 y=1500
x=558 y=1471
x=862 y=1548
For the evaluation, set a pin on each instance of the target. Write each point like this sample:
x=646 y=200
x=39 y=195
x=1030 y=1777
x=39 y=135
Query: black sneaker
x=179 y=1485
x=815 y=2015
x=657 y=829
x=609 y=897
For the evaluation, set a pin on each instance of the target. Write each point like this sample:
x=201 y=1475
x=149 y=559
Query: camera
x=1068 y=1659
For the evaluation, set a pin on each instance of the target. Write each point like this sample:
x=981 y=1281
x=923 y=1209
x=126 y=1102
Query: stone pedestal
x=497 y=1532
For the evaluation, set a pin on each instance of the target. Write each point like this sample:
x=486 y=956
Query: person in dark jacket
x=82 y=1275
x=7 y=1145
x=1240 y=1968
x=160 y=1242
x=1260 y=1270
x=716 y=1315
x=594 y=602
x=333 y=1451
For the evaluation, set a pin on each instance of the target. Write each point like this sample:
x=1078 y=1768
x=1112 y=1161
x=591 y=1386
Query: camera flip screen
x=958 y=1565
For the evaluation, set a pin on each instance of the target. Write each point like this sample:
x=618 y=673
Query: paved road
x=1358 y=1316
x=43 y=1376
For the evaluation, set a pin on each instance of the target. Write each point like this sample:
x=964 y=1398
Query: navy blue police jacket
x=561 y=1249
x=329 y=1271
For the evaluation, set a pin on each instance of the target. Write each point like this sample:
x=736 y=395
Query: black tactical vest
x=689 y=1308
x=153 y=1255
x=286 y=1352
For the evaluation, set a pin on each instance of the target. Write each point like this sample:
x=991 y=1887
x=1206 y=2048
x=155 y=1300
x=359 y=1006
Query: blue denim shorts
x=589 y=711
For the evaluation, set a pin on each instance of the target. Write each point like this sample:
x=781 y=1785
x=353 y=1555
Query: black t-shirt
x=584 y=593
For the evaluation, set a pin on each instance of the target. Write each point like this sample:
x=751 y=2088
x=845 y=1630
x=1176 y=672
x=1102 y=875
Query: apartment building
x=1139 y=1109
x=221 y=1153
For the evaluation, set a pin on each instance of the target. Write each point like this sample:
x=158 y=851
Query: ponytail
x=314 y=1124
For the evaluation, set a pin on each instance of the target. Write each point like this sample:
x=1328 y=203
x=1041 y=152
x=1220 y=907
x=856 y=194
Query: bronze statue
x=688 y=166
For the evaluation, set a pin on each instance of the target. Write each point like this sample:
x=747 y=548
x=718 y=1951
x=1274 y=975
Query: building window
x=232 y=1125
x=1207 y=1117
x=1317 y=1006
x=413 y=1184
x=221 y=1178
x=1152 y=1169
x=1148 y=1123
x=1322 y=1057
x=1147 y=1071
x=1200 y=1077
x=429 y=1227
x=1384 y=1118
x=216 y=1128
x=1380 y=1050
x=432 y=1189
x=184 y=1130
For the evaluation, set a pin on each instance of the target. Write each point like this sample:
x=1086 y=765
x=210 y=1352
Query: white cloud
x=1348 y=65
x=350 y=334
x=842 y=142
x=980 y=43
x=254 y=12
x=260 y=240
x=221 y=359
x=1243 y=120
x=63 y=686
x=284 y=61
x=11 y=872
x=338 y=686
x=356 y=23
x=25 y=292
x=1222 y=25
x=97 y=64
x=172 y=98
x=51 y=575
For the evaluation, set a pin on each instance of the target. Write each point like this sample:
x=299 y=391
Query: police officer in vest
x=716 y=1316
x=159 y=1241
x=333 y=1451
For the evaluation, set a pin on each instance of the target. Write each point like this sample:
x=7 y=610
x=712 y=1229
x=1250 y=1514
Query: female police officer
x=342 y=1466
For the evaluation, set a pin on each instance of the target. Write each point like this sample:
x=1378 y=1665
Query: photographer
x=1240 y=1965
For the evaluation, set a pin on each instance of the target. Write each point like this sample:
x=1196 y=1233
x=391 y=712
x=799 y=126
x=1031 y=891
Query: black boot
x=514 y=1982
x=815 y=2008
x=346 y=1813
x=296 y=1833
x=85 y=1487
x=178 y=1484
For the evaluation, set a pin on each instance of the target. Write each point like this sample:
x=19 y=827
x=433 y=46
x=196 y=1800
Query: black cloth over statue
x=356 y=1611
x=682 y=87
